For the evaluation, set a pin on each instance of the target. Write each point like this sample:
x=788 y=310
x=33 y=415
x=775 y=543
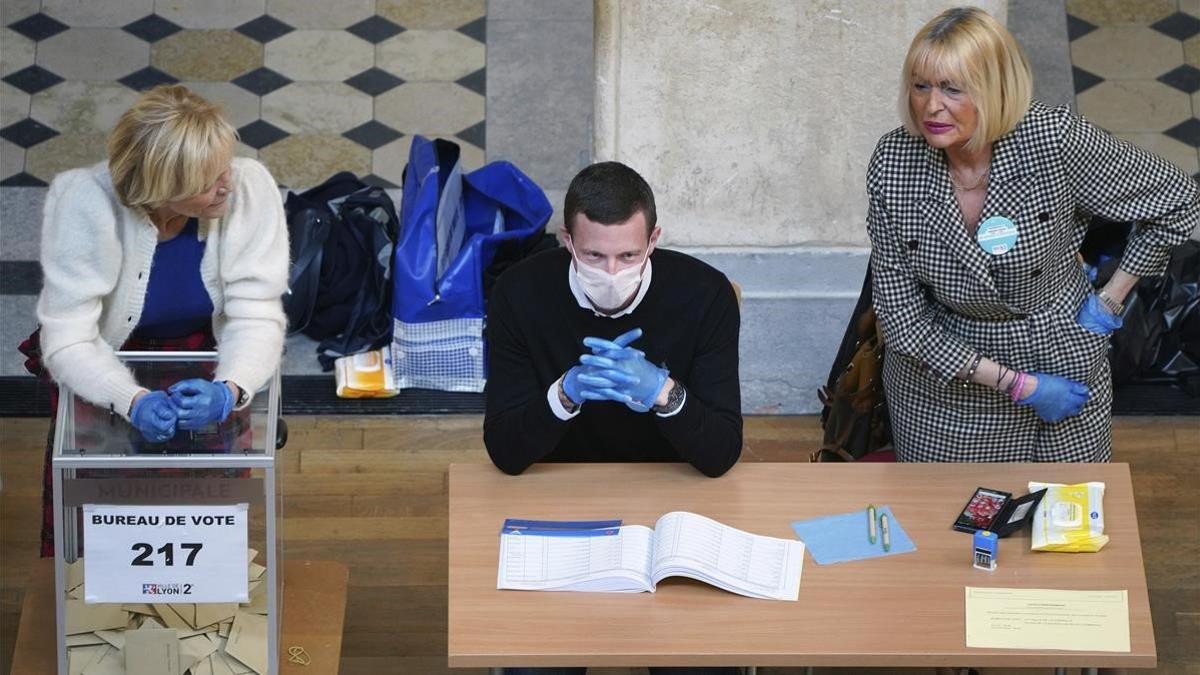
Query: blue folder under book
x=843 y=537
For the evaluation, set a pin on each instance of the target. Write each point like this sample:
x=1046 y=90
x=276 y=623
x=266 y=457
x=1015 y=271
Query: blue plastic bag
x=450 y=225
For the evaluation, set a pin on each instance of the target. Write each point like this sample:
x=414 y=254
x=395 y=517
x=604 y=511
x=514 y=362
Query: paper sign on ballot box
x=165 y=554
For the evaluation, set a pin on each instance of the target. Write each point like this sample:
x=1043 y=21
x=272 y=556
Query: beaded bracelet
x=972 y=369
x=1018 y=385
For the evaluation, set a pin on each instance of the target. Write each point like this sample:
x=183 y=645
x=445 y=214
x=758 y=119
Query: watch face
x=673 y=398
x=242 y=396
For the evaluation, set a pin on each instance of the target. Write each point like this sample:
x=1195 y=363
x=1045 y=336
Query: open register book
x=635 y=558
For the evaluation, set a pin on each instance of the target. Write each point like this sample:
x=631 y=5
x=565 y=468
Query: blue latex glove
x=199 y=403
x=587 y=383
x=1056 y=398
x=1096 y=317
x=611 y=357
x=154 y=416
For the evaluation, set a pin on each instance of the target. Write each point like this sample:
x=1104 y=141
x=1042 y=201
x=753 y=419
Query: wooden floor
x=371 y=492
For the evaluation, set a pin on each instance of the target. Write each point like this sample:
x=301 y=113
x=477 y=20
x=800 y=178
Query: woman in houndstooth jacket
x=978 y=205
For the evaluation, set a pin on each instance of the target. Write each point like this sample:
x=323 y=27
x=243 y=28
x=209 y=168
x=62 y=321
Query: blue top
x=177 y=303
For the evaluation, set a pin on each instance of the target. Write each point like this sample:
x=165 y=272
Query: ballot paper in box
x=167 y=557
x=166 y=638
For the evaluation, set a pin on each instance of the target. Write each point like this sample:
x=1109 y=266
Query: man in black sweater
x=656 y=380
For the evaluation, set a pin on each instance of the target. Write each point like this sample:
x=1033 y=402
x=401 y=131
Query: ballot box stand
x=101 y=464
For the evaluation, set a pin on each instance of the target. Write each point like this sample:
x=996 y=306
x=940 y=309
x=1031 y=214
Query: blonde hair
x=968 y=47
x=172 y=144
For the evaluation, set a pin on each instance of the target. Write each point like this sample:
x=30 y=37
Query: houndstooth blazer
x=941 y=299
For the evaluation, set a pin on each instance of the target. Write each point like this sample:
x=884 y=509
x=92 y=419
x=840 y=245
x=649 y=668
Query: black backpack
x=339 y=290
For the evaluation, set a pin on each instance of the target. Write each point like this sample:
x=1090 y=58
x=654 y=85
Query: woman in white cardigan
x=172 y=243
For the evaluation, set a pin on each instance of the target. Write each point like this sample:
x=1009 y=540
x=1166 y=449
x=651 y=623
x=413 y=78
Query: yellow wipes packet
x=1070 y=518
x=366 y=375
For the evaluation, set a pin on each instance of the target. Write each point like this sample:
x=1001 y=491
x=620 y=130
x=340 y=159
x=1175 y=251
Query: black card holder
x=1016 y=513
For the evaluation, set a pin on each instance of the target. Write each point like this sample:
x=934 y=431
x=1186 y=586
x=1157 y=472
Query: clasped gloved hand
x=587 y=382
x=611 y=358
x=153 y=415
x=199 y=403
x=1096 y=317
x=1056 y=398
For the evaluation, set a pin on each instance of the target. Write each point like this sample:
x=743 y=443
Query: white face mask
x=608 y=291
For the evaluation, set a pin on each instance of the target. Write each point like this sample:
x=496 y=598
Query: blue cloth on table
x=843 y=537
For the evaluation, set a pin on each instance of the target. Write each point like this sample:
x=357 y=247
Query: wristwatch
x=567 y=404
x=243 y=397
x=674 y=400
x=1111 y=303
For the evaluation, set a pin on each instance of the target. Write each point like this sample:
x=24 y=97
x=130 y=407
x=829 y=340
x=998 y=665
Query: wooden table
x=314 y=601
x=903 y=610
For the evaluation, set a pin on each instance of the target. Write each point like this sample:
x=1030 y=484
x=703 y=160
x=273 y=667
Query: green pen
x=871 y=523
x=883 y=527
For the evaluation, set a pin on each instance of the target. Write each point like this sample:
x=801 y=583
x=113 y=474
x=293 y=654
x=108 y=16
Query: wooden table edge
x=999 y=658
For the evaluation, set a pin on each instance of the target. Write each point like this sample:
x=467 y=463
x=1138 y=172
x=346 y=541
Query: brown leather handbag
x=855 y=415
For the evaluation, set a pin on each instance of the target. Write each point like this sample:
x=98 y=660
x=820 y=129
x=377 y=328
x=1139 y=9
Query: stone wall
x=753 y=121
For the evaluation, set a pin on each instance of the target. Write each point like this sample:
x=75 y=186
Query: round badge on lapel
x=996 y=235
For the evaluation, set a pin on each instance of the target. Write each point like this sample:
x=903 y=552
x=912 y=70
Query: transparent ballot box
x=167 y=555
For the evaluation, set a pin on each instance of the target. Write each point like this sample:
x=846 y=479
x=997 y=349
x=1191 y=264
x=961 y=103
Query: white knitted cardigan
x=96 y=257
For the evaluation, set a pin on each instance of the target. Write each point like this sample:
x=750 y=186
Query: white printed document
x=634 y=558
x=1038 y=618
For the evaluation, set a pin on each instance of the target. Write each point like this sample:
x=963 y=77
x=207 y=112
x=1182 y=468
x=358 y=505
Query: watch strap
x=567 y=404
x=674 y=400
x=243 y=397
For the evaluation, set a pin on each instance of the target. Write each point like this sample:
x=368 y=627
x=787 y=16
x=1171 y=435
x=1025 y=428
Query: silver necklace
x=959 y=187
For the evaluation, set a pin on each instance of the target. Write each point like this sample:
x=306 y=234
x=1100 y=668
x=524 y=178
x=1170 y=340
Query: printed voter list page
x=619 y=563
x=688 y=544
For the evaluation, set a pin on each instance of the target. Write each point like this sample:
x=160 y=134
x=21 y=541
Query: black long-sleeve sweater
x=690 y=322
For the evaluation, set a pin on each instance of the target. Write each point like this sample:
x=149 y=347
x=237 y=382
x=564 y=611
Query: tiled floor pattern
x=1136 y=67
x=314 y=86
